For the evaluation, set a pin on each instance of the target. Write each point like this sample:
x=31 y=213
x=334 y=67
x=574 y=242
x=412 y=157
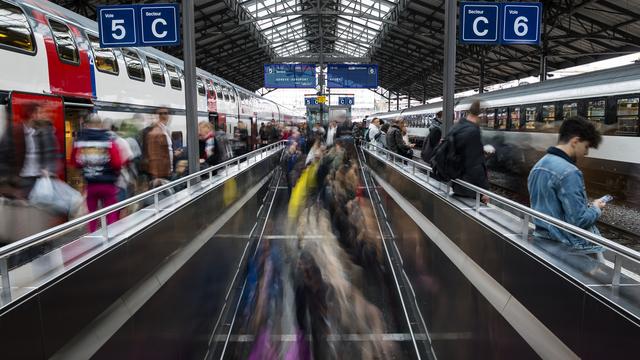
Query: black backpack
x=429 y=146
x=445 y=162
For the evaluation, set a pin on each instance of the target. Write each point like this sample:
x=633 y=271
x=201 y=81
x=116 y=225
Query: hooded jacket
x=96 y=153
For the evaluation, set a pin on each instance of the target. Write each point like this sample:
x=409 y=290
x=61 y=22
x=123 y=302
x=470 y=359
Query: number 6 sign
x=521 y=23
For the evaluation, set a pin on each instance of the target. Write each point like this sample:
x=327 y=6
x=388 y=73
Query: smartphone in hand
x=607 y=198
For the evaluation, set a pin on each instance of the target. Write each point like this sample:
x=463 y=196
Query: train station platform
x=177 y=278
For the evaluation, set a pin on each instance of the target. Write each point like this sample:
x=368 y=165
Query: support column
x=449 y=76
x=398 y=100
x=481 y=84
x=190 y=90
x=389 y=100
x=408 y=100
x=543 y=65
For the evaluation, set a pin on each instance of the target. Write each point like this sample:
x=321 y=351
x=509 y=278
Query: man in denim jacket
x=556 y=186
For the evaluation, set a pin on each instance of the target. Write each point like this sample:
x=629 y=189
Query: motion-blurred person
x=95 y=152
x=34 y=150
x=292 y=163
x=126 y=177
x=373 y=132
x=395 y=141
x=556 y=186
x=382 y=139
x=158 y=151
x=331 y=133
x=274 y=132
x=433 y=138
x=468 y=145
x=240 y=139
x=263 y=133
x=206 y=144
x=223 y=150
x=317 y=133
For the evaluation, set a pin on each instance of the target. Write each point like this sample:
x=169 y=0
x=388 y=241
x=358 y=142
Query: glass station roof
x=292 y=27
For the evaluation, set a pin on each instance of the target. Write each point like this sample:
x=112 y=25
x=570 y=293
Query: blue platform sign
x=360 y=76
x=521 y=23
x=479 y=22
x=311 y=101
x=289 y=76
x=500 y=23
x=346 y=100
x=138 y=25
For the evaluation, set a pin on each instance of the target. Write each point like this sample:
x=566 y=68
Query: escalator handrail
x=20 y=245
x=582 y=233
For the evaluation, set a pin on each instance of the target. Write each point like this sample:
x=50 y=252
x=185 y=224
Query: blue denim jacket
x=556 y=188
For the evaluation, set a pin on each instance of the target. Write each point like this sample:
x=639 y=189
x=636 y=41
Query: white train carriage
x=523 y=122
x=52 y=55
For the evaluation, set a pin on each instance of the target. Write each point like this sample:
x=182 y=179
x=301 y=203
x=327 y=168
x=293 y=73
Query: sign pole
x=449 y=76
x=190 y=90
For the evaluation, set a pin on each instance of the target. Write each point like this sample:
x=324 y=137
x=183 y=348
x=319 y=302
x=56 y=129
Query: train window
x=174 y=77
x=503 y=117
x=15 y=31
x=548 y=116
x=225 y=93
x=105 y=59
x=595 y=113
x=211 y=90
x=134 y=64
x=157 y=74
x=531 y=115
x=569 y=110
x=627 y=115
x=491 y=118
x=65 y=44
x=200 y=85
x=515 y=118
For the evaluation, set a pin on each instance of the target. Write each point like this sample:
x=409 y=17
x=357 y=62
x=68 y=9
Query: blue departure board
x=359 y=76
x=289 y=76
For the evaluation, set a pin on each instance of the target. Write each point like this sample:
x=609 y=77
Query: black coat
x=468 y=142
x=395 y=142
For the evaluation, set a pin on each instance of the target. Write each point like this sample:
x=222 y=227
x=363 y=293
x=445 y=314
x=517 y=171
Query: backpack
x=223 y=150
x=366 y=136
x=428 y=148
x=445 y=162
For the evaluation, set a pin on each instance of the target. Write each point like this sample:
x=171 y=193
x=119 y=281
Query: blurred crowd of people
x=107 y=162
x=313 y=286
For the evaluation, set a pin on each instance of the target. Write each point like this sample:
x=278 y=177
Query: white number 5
x=520 y=26
x=116 y=25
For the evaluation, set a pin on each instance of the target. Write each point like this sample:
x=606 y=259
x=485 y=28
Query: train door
x=74 y=115
x=50 y=109
x=254 y=131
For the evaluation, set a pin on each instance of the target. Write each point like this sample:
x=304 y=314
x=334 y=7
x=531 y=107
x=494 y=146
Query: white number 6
x=520 y=26
x=116 y=25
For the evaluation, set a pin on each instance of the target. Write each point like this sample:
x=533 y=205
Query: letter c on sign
x=154 y=28
x=475 y=26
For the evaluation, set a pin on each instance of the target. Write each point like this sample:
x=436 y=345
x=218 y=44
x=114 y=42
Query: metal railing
x=21 y=245
x=527 y=213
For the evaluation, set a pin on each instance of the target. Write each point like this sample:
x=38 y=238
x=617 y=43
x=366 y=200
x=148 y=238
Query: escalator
x=281 y=325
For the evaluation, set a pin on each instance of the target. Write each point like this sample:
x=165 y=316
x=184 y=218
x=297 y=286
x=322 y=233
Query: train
x=52 y=56
x=522 y=122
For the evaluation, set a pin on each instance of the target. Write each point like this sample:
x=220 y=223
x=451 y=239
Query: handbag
x=56 y=195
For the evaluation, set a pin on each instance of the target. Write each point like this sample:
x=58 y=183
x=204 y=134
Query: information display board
x=138 y=25
x=347 y=76
x=500 y=23
x=289 y=76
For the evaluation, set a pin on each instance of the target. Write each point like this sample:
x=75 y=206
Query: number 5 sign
x=500 y=23
x=138 y=25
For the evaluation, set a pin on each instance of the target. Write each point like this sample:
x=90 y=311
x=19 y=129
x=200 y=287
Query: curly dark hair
x=580 y=127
